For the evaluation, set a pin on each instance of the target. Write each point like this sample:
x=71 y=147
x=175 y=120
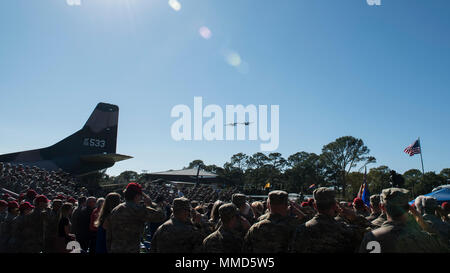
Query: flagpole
x=421 y=159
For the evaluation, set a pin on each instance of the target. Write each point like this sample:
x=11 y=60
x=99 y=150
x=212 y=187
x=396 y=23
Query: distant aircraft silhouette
x=236 y=123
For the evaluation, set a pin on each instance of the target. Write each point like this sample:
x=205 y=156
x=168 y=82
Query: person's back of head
x=99 y=202
x=239 y=200
x=395 y=200
x=82 y=201
x=181 y=208
x=215 y=210
x=228 y=214
x=325 y=201
x=278 y=202
x=375 y=202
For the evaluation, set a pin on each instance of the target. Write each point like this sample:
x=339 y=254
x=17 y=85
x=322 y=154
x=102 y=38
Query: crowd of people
x=53 y=214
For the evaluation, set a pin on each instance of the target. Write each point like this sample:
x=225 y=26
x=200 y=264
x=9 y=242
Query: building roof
x=186 y=172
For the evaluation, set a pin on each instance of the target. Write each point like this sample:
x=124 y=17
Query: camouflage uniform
x=175 y=236
x=263 y=217
x=374 y=202
x=437 y=226
x=273 y=234
x=440 y=227
x=380 y=220
x=126 y=226
x=51 y=231
x=239 y=200
x=400 y=236
x=6 y=234
x=31 y=229
x=397 y=237
x=323 y=233
x=224 y=240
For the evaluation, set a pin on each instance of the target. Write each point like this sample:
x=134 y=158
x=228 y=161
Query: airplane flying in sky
x=236 y=123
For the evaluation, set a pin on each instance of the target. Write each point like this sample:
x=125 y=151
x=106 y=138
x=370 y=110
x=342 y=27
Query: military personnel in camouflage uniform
x=51 y=228
x=398 y=234
x=273 y=234
x=33 y=226
x=3 y=211
x=374 y=207
x=7 y=225
x=437 y=226
x=127 y=221
x=178 y=234
x=239 y=200
x=19 y=225
x=226 y=239
x=323 y=233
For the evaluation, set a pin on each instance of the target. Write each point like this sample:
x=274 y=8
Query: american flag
x=413 y=148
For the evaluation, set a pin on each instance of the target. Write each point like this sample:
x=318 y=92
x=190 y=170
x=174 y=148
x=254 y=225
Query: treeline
x=341 y=164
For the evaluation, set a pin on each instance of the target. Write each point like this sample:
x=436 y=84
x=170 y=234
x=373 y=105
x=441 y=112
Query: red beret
x=134 y=187
x=305 y=204
x=41 y=198
x=358 y=202
x=446 y=206
x=13 y=204
x=3 y=203
x=26 y=205
x=71 y=200
x=31 y=193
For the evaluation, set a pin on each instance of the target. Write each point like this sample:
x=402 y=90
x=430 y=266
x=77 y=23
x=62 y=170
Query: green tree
x=445 y=174
x=413 y=178
x=354 y=182
x=196 y=164
x=343 y=154
x=378 y=179
x=304 y=170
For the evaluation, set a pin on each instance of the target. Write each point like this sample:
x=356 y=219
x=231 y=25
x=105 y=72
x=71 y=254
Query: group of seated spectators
x=51 y=213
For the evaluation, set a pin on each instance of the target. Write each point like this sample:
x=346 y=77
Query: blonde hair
x=111 y=201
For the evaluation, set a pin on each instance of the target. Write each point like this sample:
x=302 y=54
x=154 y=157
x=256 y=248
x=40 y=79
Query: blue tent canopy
x=442 y=195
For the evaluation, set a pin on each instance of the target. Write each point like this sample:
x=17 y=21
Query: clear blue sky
x=335 y=68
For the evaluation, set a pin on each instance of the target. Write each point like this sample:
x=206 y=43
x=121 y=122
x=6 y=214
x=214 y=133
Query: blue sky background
x=340 y=67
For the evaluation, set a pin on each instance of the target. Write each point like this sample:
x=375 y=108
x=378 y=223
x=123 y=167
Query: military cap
x=395 y=197
x=446 y=206
x=3 y=203
x=26 y=205
x=41 y=198
x=134 y=187
x=358 y=202
x=324 y=195
x=375 y=199
x=57 y=201
x=13 y=205
x=238 y=199
x=278 y=197
x=228 y=211
x=181 y=204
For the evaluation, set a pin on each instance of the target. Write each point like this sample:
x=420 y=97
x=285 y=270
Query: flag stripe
x=413 y=148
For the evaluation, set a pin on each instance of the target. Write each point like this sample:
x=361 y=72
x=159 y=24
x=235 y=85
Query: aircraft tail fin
x=98 y=135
